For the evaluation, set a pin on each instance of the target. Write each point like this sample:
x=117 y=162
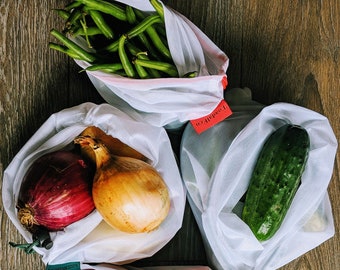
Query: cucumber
x=275 y=180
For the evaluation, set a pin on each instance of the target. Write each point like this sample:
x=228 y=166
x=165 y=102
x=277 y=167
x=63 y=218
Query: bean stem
x=147 y=44
x=84 y=27
x=28 y=248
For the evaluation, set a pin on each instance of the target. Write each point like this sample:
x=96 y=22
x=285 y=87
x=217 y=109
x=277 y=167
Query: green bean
x=62 y=13
x=147 y=25
x=113 y=47
x=146 y=43
x=124 y=58
x=190 y=74
x=135 y=51
x=72 y=5
x=154 y=73
x=167 y=68
x=158 y=7
x=111 y=68
x=140 y=37
x=106 y=7
x=140 y=14
x=73 y=46
x=154 y=36
x=141 y=71
x=130 y=14
x=90 y=31
x=142 y=26
x=75 y=15
x=121 y=73
x=65 y=50
x=161 y=30
x=101 y=24
x=157 y=41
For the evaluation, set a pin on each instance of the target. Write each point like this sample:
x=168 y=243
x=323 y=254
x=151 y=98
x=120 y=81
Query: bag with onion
x=94 y=185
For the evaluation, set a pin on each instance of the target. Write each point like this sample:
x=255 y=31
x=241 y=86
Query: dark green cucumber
x=275 y=180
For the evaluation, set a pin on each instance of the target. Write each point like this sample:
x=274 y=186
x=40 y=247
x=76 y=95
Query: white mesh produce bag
x=106 y=266
x=216 y=188
x=170 y=102
x=91 y=239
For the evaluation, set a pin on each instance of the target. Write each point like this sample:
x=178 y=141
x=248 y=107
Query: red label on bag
x=221 y=112
x=224 y=82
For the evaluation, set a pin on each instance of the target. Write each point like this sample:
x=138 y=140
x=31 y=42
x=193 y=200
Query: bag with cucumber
x=144 y=58
x=262 y=199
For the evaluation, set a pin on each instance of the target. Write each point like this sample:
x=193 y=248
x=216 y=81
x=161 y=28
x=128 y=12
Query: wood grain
x=283 y=50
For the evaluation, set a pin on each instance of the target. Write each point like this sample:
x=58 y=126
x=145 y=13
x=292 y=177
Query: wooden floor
x=283 y=50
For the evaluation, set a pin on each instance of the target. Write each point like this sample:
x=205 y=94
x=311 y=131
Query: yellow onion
x=114 y=145
x=129 y=193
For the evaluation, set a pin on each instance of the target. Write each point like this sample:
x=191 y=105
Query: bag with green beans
x=217 y=172
x=144 y=58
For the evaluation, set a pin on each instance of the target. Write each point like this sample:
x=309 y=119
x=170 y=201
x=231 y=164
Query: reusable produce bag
x=171 y=102
x=91 y=239
x=215 y=188
x=105 y=266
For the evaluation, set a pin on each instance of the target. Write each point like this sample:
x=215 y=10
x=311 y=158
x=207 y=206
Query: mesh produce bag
x=90 y=239
x=216 y=168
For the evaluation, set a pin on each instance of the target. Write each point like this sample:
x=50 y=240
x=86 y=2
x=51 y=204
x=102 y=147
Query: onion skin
x=55 y=192
x=129 y=193
x=114 y=145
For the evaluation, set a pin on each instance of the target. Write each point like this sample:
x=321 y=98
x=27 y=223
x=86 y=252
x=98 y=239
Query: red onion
x=56 y=191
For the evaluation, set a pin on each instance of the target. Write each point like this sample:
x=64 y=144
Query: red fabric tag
x=224 y=82
x=221 y=112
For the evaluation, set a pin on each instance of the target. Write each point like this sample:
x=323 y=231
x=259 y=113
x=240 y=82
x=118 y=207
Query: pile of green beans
x=120 y=39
